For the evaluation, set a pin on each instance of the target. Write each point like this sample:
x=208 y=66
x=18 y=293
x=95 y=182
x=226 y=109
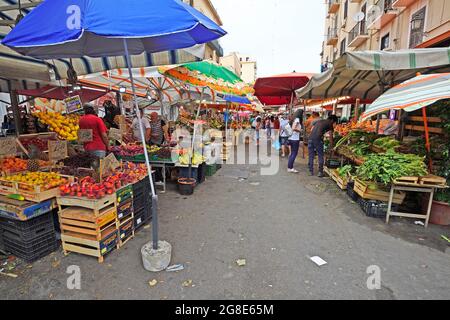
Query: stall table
x=409 y=187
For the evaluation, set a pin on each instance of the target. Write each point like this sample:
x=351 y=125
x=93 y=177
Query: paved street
x=273 y=222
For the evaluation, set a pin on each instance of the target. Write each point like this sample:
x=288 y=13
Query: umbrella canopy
x=61 y=93
x=368 y=74
x=95 y=28
x=278 y=90
x=213 y=70
x=412 y=95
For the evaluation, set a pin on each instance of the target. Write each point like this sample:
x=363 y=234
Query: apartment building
x=213 y=49
x=384 y=25
x=241 y=65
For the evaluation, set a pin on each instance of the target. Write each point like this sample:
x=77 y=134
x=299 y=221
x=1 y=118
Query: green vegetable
x=390 y=166
x=343 y=171
x=386 y=143
x=16 y=197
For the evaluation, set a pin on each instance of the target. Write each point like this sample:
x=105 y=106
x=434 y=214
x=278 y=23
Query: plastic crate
x=30 y=251
x=142 y=201
x=211 y=170
x=125 y=209
x=142 y=217
x=201 y=173
x=333 y=163
x=374 y=208
x=351 y=193
x=124 y=194
x=126 y=230
x=30 y=229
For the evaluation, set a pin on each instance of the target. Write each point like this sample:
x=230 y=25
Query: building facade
x=384 y=25
x=242 y=66
x=213 y=49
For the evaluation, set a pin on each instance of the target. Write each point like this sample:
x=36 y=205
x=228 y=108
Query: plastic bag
x=276 y=145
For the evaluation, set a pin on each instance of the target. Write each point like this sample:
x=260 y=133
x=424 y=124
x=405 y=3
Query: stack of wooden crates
x=97 y=227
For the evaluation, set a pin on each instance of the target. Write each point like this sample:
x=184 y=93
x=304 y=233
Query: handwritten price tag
x=8 y=147
x=110 y=163
x=57 y=150
x=85 y=135
x=115 y=134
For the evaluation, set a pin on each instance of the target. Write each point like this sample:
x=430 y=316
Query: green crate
x=124 y=193
x=211 y=170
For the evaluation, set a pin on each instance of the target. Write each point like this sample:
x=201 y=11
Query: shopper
x=159 y=130
x=294 y=139
x=284 y=136
x=90 y=121
x=315 y=142
x=311 y=121
x=145 y=125
x=258 y=125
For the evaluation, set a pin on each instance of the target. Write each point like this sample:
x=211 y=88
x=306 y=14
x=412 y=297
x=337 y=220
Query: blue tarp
x=95 y=28
x=234 y=99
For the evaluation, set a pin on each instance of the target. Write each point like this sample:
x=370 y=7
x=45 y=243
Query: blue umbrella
x=96 y=28
x=100 y=28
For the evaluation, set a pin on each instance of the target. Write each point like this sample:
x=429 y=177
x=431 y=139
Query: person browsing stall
x=315 y=143
x=145 y=125
x=159 y=131
x=90 y=121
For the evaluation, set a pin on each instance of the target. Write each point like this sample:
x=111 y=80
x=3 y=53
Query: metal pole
x=119 y=103
x=194 y=134
x=147 y=161
x=358 y=101
x=377 y=130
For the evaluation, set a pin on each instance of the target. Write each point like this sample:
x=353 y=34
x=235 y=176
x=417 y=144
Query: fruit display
x=12 y=165
x=390 y=166
x=66 y=126
x=345 y=128
x=129 y=150
x=40 y=143
x=81 y=160
x=196 y=159
x=46 y=180
x=164 y=153
x=87 y=187
x=153 y=149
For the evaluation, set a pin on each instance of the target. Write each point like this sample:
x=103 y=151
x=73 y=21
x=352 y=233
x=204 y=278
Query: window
x=417 y=28
x=343 y=47
x=385 y=42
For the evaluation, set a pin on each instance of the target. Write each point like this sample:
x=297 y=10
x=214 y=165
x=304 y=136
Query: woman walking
x=294 y=139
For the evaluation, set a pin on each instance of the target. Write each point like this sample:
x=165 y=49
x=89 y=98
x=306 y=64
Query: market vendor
x=99 y=144
x=159 y=131
x=145 y=126
x=315 y=142
x=311 y=121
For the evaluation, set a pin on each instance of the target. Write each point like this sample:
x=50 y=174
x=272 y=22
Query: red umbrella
x=60 y=93
x=280 y=89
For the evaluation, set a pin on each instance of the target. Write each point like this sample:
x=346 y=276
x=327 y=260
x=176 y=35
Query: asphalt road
x=275 y=223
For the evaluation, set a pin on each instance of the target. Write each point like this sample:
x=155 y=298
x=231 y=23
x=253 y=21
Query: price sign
x=85 y=135
x=57 y=149
x=115 y=134
x=73 y=104
x=110 y=163
x=8 y=147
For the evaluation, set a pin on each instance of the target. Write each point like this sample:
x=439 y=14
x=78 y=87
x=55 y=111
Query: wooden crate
x=413 y=180
x=363 y=190
x=126 y=230
x=95 y=204
x=340 y=181
x=84 y=232
x=432 y=180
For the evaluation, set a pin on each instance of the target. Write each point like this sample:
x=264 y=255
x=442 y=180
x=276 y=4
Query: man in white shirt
x=284 y=136
x=145 y=125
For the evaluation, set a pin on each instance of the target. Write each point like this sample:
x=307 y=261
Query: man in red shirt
x=99 y=144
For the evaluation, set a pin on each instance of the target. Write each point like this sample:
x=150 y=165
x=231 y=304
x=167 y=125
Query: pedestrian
x=294 y=139
x=159 y=130
x=269 y=125
x=145 y=125
x=276 y=123
x=284 y=136
x=257 y=124
x=315 y=143
x=100 y=141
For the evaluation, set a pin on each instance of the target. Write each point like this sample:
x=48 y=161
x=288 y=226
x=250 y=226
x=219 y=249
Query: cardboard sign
x=85 y=135
x=8 y=147
x=57 y=149
x=108 y=164
x=122 y=124
x=73 y=104
x=115 y=134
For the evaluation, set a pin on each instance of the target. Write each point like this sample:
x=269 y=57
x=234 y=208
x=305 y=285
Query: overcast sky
x=283 y=35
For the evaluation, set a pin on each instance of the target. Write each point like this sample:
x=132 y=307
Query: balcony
x=402 y=3
x=358 y=35
x=215 y=45
x=333 y=6
x=332 y=37
x=378 y=19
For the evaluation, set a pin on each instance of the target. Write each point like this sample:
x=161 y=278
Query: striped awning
x=22 y=73
x=368 y=74
x=412 y=95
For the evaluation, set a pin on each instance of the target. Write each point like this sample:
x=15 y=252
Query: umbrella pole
x=195 y=133
x=427 y=138
x=147 y=161
x=291 y=105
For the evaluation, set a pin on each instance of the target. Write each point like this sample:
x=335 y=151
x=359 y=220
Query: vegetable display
x=386 y=143
x=344 y=171
x=387 y=167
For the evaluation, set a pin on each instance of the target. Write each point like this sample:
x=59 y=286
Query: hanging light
x=122 y=90
x=416 y=23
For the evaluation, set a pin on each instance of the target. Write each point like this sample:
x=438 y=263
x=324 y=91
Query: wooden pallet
x=363 y=190
x=432 y=180
x=413 y=180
